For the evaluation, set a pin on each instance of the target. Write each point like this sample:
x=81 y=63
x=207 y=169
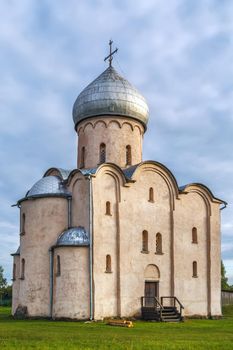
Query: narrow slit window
x=159 y=243
x=144 y=241
x=22 y=269
x=194 y=269
x=194 y=235
x=108 y=263
x=14 y=272
x=22 y=229
x=58 y=268
x=128 y=155
x=108 y=208
x=102 y=153
x=82 y=161
x=151 y=194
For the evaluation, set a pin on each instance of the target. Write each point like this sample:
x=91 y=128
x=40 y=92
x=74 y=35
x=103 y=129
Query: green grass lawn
x=44 y=334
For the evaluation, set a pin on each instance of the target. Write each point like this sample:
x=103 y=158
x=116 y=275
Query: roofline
x=72 y=173
x=115 y=166
x=153 y=162
x=46 y=195
x=214 y=199
x=59 y=171
x=69 y=245
x=51 y=169
x=124 y=176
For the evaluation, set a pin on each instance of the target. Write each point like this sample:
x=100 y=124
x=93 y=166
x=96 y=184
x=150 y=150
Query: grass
x=44 y=334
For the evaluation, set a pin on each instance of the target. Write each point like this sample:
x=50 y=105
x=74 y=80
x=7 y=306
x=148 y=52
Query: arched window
x=159 y=243
x=14 y=272
x=22 y=228
x=108 y=263
x=22 y=269
x=144 y=241
x=128 y=155
x=82 y=159
x=194 y=269
x=102 y=153
x=194 y=235
x=58 y=269
x=108 y=208
x=151 y=194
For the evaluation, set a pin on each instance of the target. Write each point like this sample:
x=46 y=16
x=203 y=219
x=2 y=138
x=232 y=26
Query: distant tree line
x=224 y=279
x=5 y=290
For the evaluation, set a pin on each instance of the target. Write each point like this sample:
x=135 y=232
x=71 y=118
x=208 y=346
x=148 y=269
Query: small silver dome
x=49 y=185
x=74 y=236
x=110 y=94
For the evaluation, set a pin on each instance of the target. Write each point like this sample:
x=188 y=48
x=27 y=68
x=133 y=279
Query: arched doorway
x=152 y=276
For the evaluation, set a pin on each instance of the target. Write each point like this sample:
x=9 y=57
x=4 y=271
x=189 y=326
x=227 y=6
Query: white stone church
x=116 y=236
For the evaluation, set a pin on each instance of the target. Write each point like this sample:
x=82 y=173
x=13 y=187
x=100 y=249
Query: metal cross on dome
x=110 y=56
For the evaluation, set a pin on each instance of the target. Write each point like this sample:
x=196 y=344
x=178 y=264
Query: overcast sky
x=178 y=53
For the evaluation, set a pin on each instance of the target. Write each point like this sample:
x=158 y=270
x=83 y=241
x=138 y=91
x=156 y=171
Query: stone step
x=170 y=316
x=171 y=320
x=169 y=312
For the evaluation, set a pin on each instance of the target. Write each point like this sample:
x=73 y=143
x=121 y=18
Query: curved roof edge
x=94 y=171
x=84 y=172
x=63 y=173
x=129 y=172
x=206 y=189
x=126 y=173
x=115 y=166
x=46 y=195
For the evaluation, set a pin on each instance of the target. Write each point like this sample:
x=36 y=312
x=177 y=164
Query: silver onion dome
x=110 y=94
x=76 y=236
x=49 y=185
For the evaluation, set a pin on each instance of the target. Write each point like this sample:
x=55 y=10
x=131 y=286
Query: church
x=116 y=236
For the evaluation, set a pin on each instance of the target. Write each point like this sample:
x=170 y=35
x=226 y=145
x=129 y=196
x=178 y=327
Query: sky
x=179 y=55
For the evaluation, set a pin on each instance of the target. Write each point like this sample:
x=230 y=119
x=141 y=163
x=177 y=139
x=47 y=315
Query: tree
x=3 y=281
x=224 y=279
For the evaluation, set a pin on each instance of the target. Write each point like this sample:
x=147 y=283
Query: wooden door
x=151 y=291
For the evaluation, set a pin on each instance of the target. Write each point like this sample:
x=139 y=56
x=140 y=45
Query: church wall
x=124 y=287
x=15 y=284
x=215 y=261
x=116 y=133
x=138 y=214
x=71 y=288
x=133 y=214
x=79 y=186
x=105 y=243
x=46 y=218
x=191 y=211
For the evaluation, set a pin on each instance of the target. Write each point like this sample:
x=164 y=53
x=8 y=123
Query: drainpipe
x=91 y=246
x=69 y=212
x=224 y=205
x=51 y=282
